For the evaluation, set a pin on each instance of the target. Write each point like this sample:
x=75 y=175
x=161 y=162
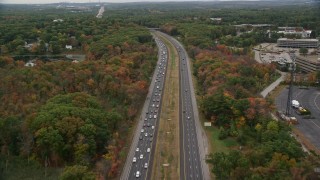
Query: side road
x=273 y=85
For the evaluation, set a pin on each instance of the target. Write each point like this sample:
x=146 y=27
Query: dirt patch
x=166 y=160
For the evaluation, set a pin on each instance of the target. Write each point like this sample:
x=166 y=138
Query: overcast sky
x=83 y=1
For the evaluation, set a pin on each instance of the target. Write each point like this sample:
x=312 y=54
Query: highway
x=140 y=156
x=193 y=141
x=310 y=99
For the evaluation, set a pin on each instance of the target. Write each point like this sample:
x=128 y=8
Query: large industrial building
x=308 y=63
x=298 y=43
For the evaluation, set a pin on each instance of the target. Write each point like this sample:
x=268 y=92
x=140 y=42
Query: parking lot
x=310 y=99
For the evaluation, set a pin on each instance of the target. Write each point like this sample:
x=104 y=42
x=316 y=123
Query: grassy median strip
x=166 y=159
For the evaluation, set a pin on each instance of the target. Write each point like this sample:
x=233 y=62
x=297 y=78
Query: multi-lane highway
x=193 y=141
x=140 y=157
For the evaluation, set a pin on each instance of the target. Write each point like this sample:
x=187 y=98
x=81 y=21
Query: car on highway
x=148 y=150
x=140 y=138
x=141 y=156
x=152 y=127
x=146 y=134
x=142 y=130
x=145 y=165
x=137 y=149
x=134 y=159
x=138 y=174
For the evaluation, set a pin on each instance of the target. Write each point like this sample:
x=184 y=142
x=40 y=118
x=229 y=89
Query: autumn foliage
x=115 y=76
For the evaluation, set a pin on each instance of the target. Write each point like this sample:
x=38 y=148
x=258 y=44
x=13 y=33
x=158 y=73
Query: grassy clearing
x=217 y=145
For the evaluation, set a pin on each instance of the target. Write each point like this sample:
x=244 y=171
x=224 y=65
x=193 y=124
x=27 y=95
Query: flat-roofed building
x=298 y=43
x=308 y=63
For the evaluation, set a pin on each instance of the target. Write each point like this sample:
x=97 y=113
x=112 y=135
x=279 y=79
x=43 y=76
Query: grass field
x=217 y=145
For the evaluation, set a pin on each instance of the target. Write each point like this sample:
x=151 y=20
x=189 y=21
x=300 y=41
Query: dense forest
x=63 y=119
x=62 y=113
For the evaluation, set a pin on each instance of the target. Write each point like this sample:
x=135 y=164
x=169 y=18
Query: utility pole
x=292 y=68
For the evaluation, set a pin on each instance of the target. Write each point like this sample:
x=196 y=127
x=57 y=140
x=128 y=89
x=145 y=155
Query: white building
x=295 y=31
x=216 y=19
x=58 y=20
x=30 y=64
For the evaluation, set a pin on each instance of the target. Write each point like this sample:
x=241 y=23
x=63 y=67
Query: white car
x=141 y=156
x=152 y=127
x=148 y=150
x=137 y=149
x=155 y=116
x=138 y=174
x=142 y=130
x=157 y=105
x=134 y=159
x=146 y=134
x=145 y=165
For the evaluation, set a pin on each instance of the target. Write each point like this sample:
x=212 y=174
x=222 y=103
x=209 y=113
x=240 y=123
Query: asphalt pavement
x=273 y=85
x=140 y=156
x=310 y=99
x=193 y=140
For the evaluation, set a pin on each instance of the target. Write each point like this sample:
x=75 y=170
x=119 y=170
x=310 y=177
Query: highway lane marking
x=316 y=102
x=315 y=124
x=187 y=84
